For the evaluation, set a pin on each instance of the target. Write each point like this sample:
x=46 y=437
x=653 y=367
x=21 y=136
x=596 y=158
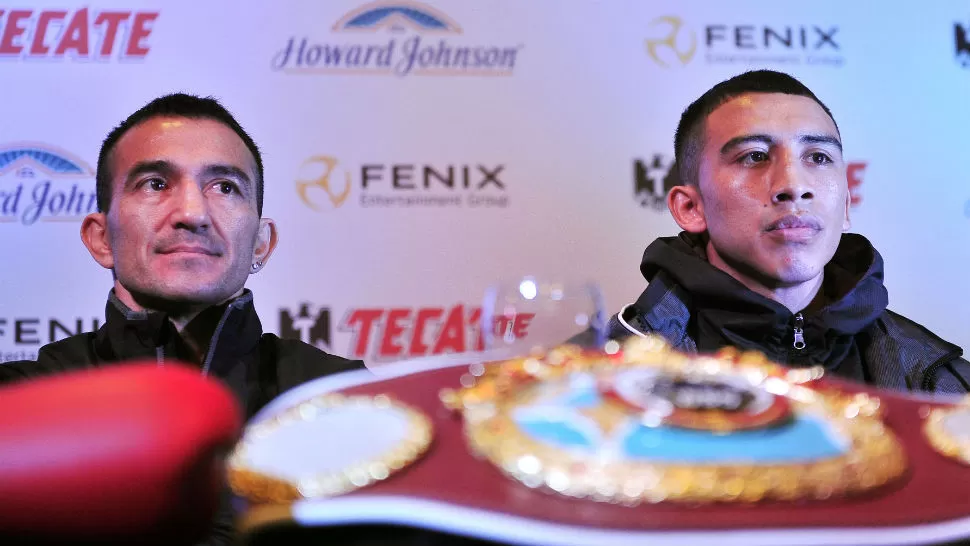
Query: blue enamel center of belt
x=561 y=422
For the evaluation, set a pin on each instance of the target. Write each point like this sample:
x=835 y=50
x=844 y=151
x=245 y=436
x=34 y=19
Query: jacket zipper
x=930 y=371
x=207 y=363
x=799 y=332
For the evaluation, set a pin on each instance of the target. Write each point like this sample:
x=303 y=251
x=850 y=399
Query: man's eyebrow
x=766 y=139
x=159 y=166
x=821 y=139
x=228 y=171
x=745 y=139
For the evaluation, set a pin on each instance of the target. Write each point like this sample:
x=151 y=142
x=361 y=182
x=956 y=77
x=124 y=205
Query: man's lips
x=793 y=228
x=188 y=249
x=792 y=221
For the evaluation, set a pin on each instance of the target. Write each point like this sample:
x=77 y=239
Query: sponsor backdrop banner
x=417 y=152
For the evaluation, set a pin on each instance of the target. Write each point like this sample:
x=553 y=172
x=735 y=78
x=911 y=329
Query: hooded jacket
x=255 y=366
x=847 y=328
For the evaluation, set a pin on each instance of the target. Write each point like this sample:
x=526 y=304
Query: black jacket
x=847 y=329
x=255 y=366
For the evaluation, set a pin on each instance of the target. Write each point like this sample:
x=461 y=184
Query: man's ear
x=266 y=239
x=687 y=208
x=94 y=235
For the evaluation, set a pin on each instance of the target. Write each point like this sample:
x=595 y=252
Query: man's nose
x=789 y=183
x=191 y=208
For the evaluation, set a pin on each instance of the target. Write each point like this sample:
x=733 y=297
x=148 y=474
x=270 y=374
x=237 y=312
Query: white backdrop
x=559 y=98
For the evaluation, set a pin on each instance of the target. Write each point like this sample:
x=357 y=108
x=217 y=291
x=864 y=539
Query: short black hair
x=688 y=140
x=174 y=105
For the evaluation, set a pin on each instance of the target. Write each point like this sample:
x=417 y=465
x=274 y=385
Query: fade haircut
x=179 y=105
x=689 y=139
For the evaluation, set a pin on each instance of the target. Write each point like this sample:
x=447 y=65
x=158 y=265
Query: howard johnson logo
x=41 y=183
x=395 y=38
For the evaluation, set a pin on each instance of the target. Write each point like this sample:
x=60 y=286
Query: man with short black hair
x=180 y=226
x=764 y=262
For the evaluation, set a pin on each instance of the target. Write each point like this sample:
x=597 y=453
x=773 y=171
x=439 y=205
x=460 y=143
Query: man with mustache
x=180 y=226
x=764 y=261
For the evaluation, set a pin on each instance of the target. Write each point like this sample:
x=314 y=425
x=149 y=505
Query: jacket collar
x=661 y=309
x=897 y=353
x=698 y=307
x=225 y=332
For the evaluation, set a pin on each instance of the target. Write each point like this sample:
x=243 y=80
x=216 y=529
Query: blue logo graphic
x=405 y=38
x=397 y=17
x=569 y=421
x=42 y=183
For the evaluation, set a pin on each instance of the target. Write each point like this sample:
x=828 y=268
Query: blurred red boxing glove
x=126 y=454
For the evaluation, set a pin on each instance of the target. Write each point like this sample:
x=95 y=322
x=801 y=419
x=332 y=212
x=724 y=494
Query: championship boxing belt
x=633 y=444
